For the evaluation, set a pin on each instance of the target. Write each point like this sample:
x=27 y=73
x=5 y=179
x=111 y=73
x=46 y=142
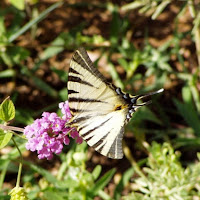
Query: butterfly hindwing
x=105 y=133
x=93 y=102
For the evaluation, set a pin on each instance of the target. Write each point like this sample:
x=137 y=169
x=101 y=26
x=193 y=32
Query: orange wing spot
x=120 y=107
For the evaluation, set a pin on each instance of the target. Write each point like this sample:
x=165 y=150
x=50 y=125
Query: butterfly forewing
x=92 y=102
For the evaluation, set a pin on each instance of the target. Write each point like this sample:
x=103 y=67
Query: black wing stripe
x=88 y=139
x=100 y=141
x=95 y=128
x=81 y=62
x=78 y=110
x=113 y=151
x=71 y=70
x=72 y=92
x=78 y=80
x=78 y=120
x=81 y=57
x=100 y=149
x=74 y=99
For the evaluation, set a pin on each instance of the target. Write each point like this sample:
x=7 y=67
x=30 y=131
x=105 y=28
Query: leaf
x=188 y=112
x=96 y=172
x=56 y=47
x=63 y=94
x=52 y=195
x=124 y=180
x=24 y=116
x=2 y=29
x=102 y=182
x=49 y=177
x=7 y=110
x=7 y=73
x=187 y=143
x=5 y=137
x=17 y=54
x=19 y=4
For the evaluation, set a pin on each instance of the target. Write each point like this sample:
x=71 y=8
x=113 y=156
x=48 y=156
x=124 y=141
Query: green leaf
x=2 y=29
x=188 y=111
x=96 y=172
x=56 y=47
x=102 y=182
x=124 y=180
x=63 y=94
x=49 y=177
x=190 y=116
x=17 y=54
x=52 y=195
x=24 y=116
x=5 y=137
x=19 y=4
x=7 y=110
x=7 y=73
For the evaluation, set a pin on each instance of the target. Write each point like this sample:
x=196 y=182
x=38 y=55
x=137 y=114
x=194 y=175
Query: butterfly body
x=99 y=109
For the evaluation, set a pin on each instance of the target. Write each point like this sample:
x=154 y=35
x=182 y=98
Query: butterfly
x=99 y=109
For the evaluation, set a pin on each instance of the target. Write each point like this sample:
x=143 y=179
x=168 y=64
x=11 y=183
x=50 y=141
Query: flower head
x=18 y=193
x=48 y=134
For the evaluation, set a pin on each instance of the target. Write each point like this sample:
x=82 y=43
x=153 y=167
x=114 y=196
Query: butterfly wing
x=93 y=103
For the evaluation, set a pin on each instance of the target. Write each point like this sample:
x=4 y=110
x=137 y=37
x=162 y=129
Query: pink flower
x=48 y=134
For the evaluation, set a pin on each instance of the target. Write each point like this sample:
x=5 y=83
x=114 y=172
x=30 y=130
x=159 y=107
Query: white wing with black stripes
x=99 y=109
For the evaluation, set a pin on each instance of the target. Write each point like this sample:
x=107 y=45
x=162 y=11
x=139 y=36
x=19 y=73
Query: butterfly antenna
x=141 y=96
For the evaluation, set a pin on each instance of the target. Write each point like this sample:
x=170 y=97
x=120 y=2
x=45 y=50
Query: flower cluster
x=48 y=134
x=18 y=193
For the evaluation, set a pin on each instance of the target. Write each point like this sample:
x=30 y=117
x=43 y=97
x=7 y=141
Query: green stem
x=197 y=43
x=134 y=164
x=20 y=164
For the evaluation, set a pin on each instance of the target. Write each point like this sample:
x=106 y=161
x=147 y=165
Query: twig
x=11 y=128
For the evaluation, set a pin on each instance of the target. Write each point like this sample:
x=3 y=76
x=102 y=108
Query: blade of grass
x=34 y=21
x=160 y=8
x=124 y=180
x=102 y=182
x=189 y=114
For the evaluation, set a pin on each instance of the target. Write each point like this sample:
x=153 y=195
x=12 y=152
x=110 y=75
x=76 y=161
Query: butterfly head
x=132 y=101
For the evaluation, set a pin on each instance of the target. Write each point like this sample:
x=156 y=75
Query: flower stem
x=11 y=128
x=134 y=164
x=197 y=43
x=20 y=164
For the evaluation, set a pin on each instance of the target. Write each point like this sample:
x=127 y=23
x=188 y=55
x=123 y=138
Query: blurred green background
x=140 y=46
